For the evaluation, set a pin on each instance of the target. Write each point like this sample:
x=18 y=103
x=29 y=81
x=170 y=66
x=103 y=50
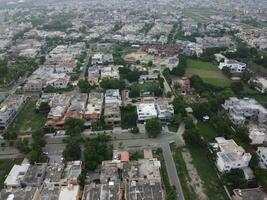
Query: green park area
x=198 y=15
x=209 y=72
x=28 y=120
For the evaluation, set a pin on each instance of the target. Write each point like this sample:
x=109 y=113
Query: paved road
x=172 y=171
x=54 y=152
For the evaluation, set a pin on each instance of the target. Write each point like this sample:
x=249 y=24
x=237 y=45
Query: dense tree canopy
x=153 y=127
x=74 y=126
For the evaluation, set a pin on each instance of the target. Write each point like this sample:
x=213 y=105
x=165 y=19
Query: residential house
x=262 y=153
x=146 y=111
x=97 y=59
x=35 y=175
x=59 y=106
x=260 y=84
x=113 y=96
x=234 y=66
x=112 y=115
x=93 y=75
x=230 y=155
x=9 y=110
x=245 y=110
x=165 y=111
x=257 y=135
x=94 y=106
x=77 y=107
x=29 y=193
x=16 y=175
x=110 y=72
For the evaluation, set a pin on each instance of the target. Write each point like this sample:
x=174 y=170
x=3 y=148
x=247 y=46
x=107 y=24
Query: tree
x=198 y=83
x=226 y=71
x=72 y=151
x=261 y=176
x=192 y=137
x=235 y=177
x=153 y=127
x=131 y=76
x=44 y=107
x=74 y=126
x=201 y=110
x=22 y=145
x=112 y=84
x=128 y=116
x=33 y=156
x=179 y=106
x=84 y=86
x=237 y=87
x=254 y=161
x=150 y=63
x=243 y=134
x=246 y=76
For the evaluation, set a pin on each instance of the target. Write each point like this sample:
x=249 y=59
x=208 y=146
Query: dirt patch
x=195 y=182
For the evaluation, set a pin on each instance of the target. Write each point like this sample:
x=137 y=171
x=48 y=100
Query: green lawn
x=189 y=192
x=28 y=120
x=172 y=127
x=207 y=131
x=5 y=167
x=212 y=184
x=209 y=72
x=198 y=15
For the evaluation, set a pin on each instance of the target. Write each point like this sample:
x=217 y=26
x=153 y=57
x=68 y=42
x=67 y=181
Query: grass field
x=207 y=131
x=208 y=72
x=198 y=15
x=205 y=168
x=28 y=120
x=5 y=167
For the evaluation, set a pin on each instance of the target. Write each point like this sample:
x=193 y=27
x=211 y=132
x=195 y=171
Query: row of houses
x=55 y=71
x=121 y=178
x=161 y=110
x=118 y=178
x=43 y=182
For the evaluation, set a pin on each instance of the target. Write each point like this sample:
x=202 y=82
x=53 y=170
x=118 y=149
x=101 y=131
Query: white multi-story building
x=245 y=110
x=97 y=59
x=257 y=135
x=230 y=155
x=165 y=111
x=15 y=175
x=146 y=111
x=110 y=72
x=113 y=96
x=9 y=109
x=262 y=153
x=260 y=84
x=233 y=65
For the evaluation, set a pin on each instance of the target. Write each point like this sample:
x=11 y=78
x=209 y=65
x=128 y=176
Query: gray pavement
x=54 y=152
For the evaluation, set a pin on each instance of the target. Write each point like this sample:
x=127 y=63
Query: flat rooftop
x=18 y=193
x=54 y=172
